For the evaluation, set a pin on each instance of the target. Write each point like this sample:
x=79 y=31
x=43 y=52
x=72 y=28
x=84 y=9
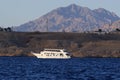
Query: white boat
x=53 y=53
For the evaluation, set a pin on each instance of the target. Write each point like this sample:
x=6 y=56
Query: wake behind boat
x=53 y=53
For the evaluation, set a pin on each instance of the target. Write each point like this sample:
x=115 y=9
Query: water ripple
x=24 y=68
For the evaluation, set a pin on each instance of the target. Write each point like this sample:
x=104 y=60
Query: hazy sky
x=17 y=12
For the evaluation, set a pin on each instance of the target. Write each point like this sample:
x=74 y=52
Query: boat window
x=53 y=54
x=56 y=55
x=54 y=50
x=68 y=54
x=47 y=54
x=61 y=54
x=58 y=50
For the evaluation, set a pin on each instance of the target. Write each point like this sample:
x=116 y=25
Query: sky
x=17 y=12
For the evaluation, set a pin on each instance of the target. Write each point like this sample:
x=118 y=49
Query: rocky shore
x=79 y=44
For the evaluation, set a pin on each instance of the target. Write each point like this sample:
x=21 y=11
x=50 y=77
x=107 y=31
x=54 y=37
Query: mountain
x=72 y=18
x=112 y=27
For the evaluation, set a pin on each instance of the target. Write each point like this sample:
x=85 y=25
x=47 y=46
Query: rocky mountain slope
x=72 y=18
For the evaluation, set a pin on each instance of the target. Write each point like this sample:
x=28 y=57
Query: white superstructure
x=52 y=53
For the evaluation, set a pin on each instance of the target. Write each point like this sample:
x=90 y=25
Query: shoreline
x=79 y=44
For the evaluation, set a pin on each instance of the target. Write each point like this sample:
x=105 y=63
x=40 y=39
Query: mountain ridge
x=72 y=18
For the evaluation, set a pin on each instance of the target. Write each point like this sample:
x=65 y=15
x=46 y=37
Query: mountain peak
x=73 y=5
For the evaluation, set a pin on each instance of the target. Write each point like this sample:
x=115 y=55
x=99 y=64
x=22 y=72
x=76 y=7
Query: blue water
x=28 y=68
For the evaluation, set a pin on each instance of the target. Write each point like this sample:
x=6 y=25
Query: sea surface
x=30 y=68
